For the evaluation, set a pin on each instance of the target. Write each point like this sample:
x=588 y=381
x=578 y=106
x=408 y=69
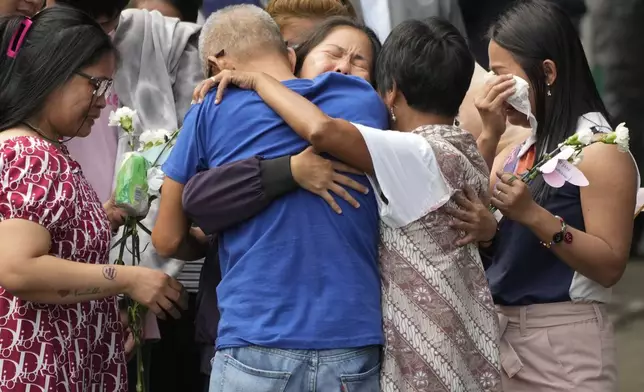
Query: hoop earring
x=393 y=115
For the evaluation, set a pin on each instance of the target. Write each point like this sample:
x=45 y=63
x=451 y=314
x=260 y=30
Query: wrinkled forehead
x=349 y=40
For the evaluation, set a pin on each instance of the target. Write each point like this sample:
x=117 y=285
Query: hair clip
x=18 y=38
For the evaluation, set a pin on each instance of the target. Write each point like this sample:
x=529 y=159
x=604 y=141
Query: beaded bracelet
x=563 y=235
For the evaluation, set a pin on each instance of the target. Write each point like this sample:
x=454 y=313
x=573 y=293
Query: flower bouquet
x=138 y=183
x=559 y=166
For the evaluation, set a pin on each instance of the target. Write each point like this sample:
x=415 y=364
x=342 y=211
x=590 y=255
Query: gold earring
x=393 y=115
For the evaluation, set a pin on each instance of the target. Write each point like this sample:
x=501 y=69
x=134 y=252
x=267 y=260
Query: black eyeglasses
x=101 y=85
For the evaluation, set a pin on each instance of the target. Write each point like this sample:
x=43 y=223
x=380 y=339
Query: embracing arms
x=223 y=196
x=334 y=136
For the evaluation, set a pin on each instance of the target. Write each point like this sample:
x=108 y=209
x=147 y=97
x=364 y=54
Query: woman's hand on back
x=322 y=176
x=491 y=103
x=202 y=89
x=473 y=217
x=241 y=79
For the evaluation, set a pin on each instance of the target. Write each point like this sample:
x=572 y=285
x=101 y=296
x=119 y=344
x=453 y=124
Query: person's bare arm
x=468 y=115
x=334 y=136
x=28 y=272
x=170 y=235
x=602 y=250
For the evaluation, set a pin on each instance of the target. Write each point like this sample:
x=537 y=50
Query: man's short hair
x=430 y=64
x=240 y=31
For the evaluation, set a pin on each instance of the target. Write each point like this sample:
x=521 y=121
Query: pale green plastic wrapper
x=131 y=192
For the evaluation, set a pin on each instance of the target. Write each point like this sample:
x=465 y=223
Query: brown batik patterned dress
x=440 y=323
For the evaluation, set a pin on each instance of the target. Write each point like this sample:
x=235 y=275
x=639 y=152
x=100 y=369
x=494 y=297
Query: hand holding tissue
x=520 y=100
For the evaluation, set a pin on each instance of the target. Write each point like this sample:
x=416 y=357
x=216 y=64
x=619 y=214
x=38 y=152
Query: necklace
x=41 y=133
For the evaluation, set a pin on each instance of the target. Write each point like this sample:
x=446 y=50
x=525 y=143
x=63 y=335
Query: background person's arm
x=468 y=116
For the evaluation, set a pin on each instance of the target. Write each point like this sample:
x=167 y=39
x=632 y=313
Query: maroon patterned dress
x=57 y=348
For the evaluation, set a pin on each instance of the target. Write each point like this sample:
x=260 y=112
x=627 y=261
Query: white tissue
x=520 y=100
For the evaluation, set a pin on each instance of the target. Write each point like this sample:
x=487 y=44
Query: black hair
x=430 y=64
x=61 y=40
x=189 y=9
x=324 y=29
x=534 y=31
x=109 y=9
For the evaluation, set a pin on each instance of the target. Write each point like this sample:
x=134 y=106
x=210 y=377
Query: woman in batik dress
x=440 y=323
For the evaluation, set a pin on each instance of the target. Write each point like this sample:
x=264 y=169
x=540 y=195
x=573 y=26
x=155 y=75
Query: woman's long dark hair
x=534 y=31
x=60 y=41
x=324 y=29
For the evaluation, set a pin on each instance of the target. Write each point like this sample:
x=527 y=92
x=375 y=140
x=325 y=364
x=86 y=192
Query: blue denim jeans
x=256 y=369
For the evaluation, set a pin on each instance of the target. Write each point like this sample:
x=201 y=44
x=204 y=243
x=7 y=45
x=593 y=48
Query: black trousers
x=175 y=359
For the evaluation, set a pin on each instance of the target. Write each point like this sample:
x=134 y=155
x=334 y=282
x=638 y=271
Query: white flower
x=122 y=117
x=121 y=113
x=155 y=180
x=145 y=138
x=578 y=157
x=585 y=136
x=149 y=138
x=622 y=137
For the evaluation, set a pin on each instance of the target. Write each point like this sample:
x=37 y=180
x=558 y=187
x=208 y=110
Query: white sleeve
x=406 y=174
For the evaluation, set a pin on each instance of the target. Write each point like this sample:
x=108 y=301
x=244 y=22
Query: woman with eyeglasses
x=59 y=321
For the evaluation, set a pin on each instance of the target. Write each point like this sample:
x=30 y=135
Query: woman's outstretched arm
x=334 y=136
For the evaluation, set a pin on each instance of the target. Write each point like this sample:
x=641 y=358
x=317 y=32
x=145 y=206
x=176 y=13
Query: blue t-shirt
x=296 y=276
